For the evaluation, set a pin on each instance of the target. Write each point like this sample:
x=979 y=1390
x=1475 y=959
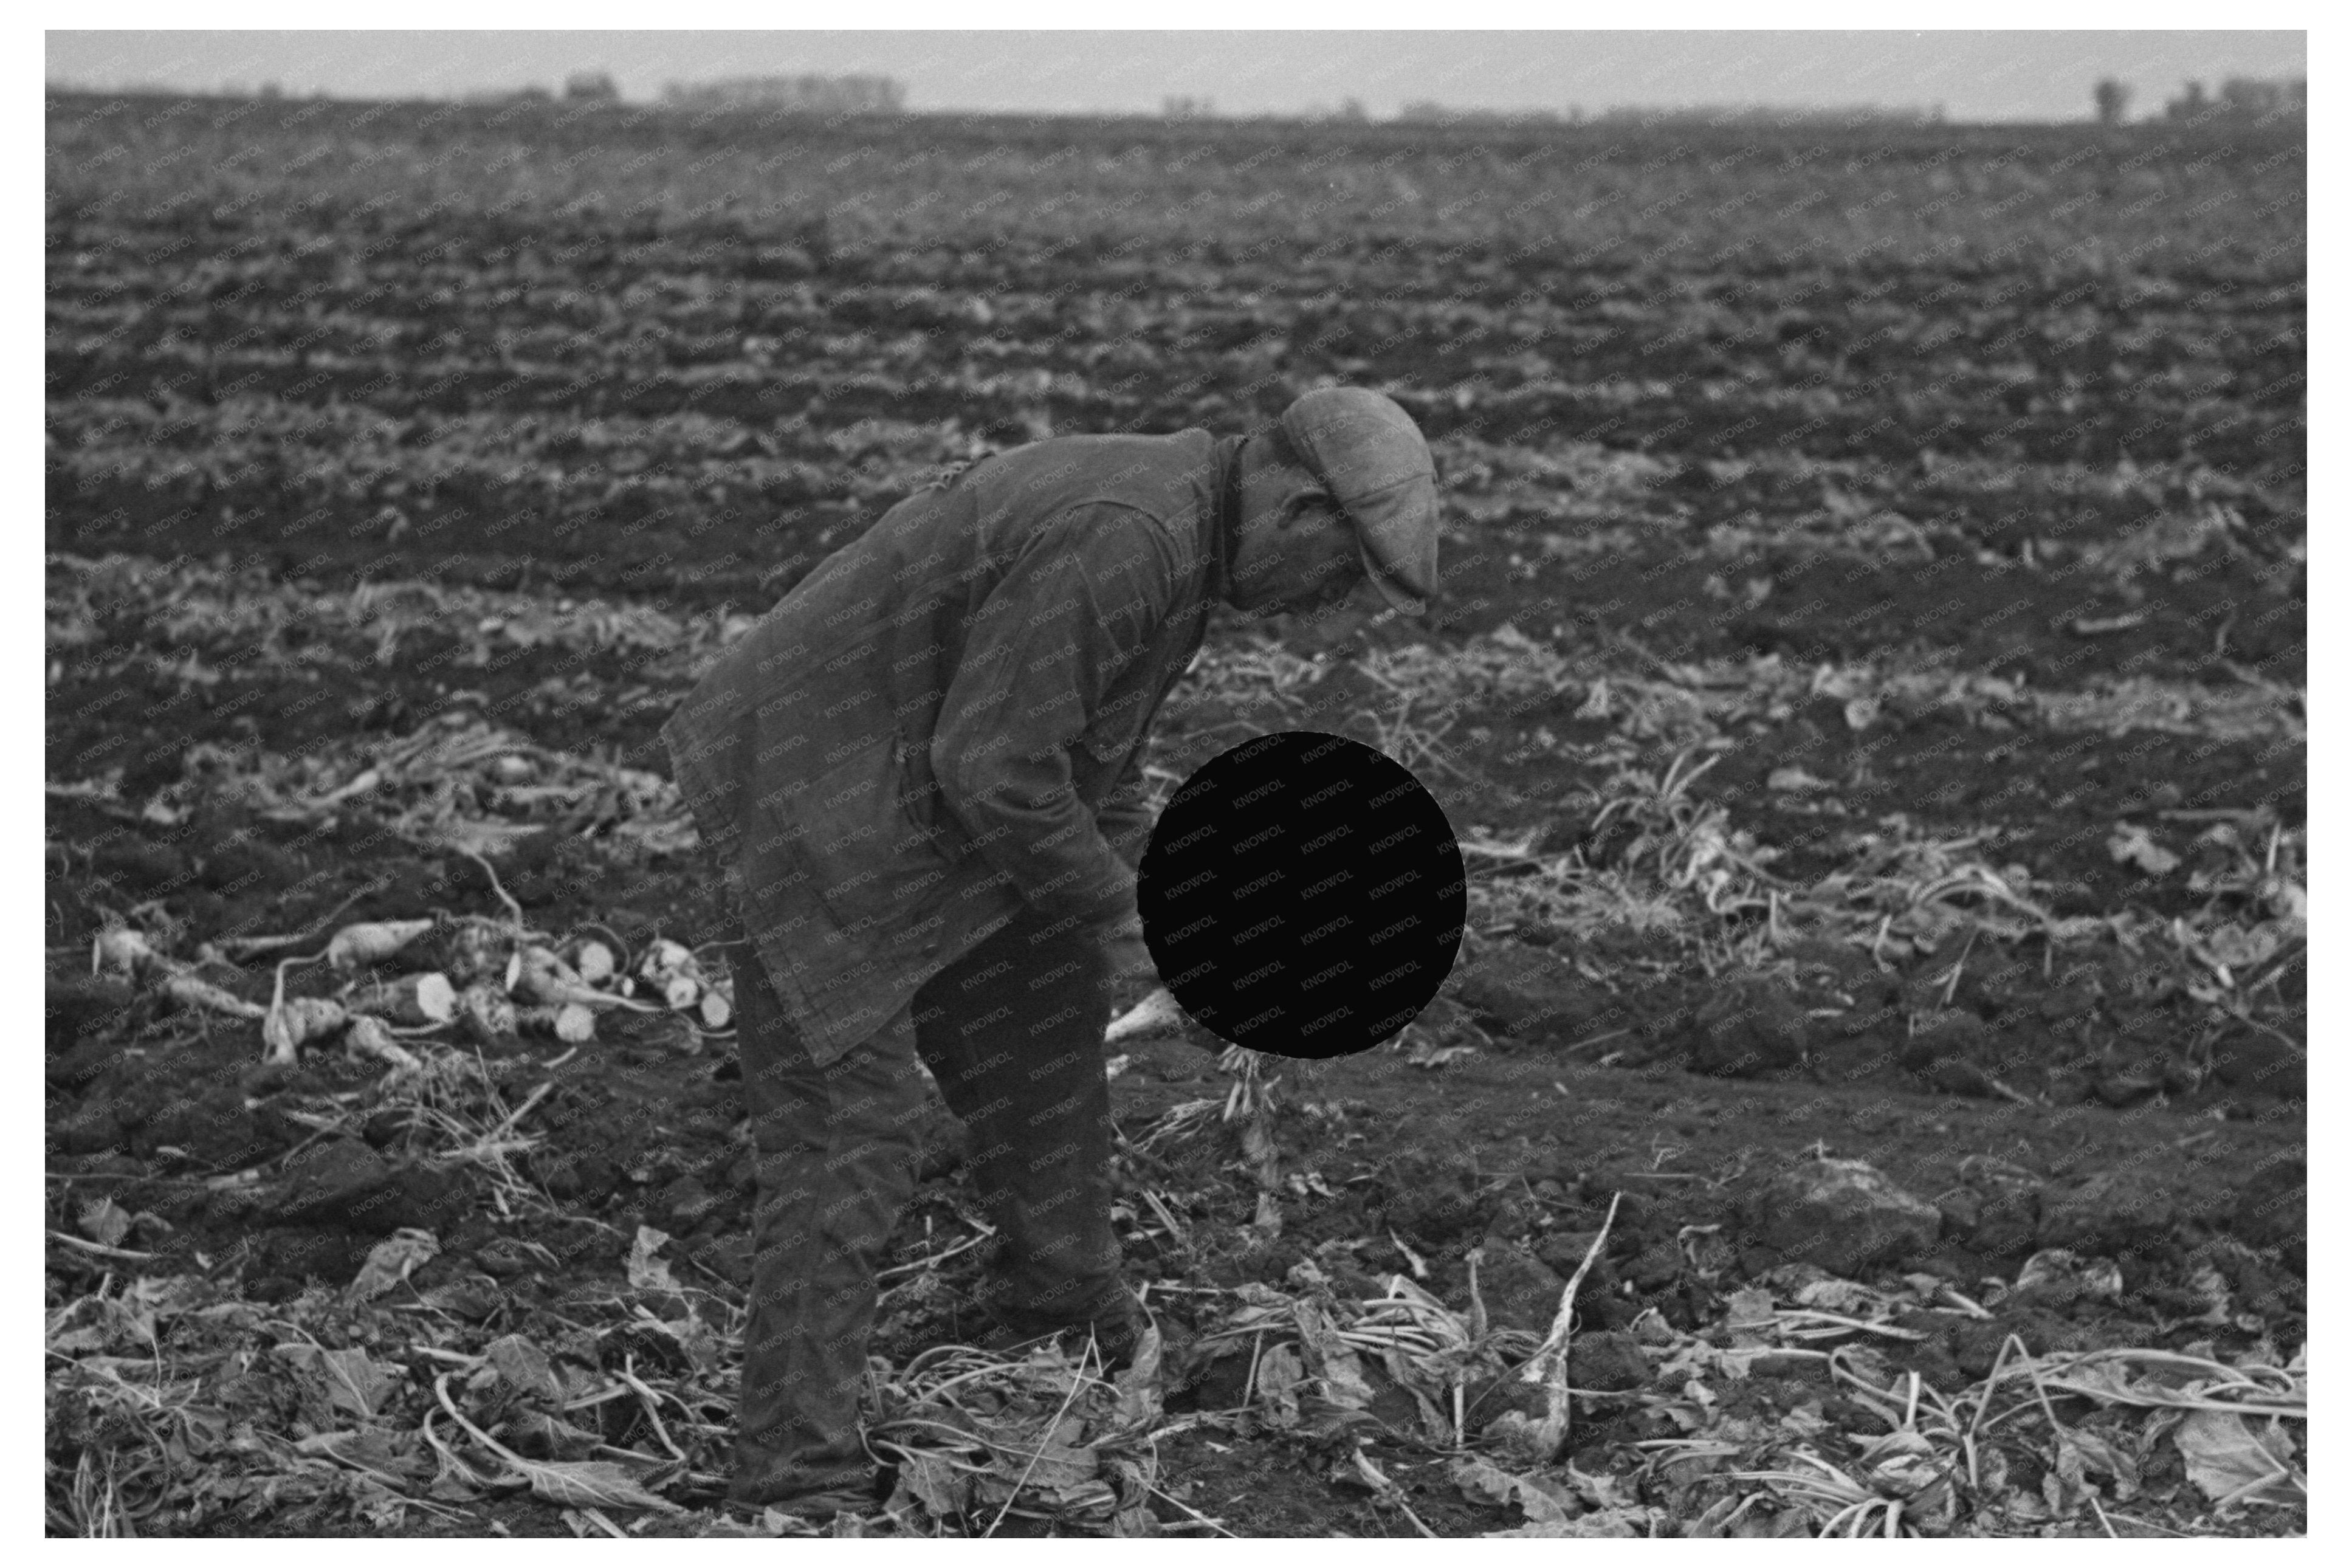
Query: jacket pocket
x=871 y=842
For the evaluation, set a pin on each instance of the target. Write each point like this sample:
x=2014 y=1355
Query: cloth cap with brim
x=1369 y=455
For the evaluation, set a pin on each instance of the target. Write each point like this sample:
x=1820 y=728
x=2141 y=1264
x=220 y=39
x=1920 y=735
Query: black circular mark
x=1302 y=895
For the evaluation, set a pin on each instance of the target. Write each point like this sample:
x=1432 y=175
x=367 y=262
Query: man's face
x=1309 y=564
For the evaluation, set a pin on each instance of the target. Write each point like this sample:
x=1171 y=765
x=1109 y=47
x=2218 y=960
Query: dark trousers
x=1013 y=1033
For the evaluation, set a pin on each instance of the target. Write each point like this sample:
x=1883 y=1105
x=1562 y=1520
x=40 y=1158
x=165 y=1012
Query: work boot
x=1116 y=1332
x=853 y=1494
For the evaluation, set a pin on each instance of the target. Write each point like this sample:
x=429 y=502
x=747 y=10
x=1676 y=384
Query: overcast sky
x=1974 y=74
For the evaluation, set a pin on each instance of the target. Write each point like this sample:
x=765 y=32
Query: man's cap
x=1369 y=455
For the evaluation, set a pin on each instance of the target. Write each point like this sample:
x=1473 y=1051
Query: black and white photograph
x=1253 y=774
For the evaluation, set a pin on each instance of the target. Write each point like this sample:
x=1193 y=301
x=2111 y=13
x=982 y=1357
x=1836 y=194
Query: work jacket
x=945 y=722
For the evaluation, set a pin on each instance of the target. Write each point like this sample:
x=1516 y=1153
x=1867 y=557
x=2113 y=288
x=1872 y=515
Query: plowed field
x=1870 y=697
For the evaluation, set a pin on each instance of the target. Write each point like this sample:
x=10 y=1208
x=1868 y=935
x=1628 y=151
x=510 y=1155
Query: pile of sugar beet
x=390 y=989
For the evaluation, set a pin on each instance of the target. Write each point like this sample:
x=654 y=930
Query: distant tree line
x=2239 y=100
x=815 y=95
x=579 y=87
x=792 y=94
x=1426 y=112
x=2240 y=97
x=2242 y=101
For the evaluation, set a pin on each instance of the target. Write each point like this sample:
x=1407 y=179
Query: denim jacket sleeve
x=1126 y=817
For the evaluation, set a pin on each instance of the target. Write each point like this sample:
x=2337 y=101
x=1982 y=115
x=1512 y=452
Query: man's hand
x=1129 y=959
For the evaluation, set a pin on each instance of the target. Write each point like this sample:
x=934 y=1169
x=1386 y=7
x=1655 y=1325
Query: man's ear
x=1307 y=498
